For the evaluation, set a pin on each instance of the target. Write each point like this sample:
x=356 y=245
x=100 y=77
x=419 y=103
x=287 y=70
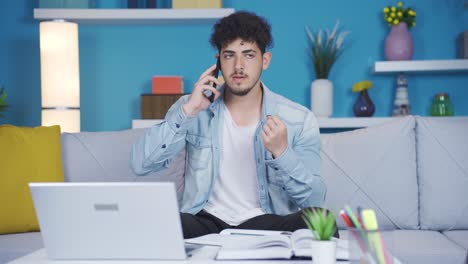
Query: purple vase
x=399 y=43
x=363 y=107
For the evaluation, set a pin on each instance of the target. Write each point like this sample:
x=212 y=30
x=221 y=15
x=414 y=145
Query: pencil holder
x=373 y=247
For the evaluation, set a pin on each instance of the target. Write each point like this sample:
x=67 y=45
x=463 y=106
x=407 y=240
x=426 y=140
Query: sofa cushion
x=27 y=155
x=13 y=246
x=374 y=167
x=105 y=157
x=419 y=246
x=443 y=172
x=459 y=237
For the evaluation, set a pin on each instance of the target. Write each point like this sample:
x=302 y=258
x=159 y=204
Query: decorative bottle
x=442 y=106
x=401 y=105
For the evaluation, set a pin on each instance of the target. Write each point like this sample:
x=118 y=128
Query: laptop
x=109 y=220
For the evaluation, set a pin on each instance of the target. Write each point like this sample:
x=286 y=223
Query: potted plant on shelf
x=322 y=225
x=363 y=107
x=326 y=47
x=3 y=105
x=399 y=43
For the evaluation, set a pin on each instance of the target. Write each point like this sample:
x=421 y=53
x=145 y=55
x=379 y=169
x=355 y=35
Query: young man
x=253 y=156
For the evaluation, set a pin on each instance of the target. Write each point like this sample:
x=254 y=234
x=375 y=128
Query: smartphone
x=208 y=93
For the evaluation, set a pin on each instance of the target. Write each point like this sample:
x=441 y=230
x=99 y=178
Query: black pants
x=204 y=223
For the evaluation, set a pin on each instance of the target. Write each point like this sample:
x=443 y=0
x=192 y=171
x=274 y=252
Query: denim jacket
x=285 y=184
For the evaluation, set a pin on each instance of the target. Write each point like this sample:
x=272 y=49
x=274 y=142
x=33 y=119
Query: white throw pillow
x=443 y=172
x=375 y=168
x=105 y=157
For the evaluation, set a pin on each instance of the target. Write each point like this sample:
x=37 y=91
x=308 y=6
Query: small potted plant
x=363 y=107
x=326 y=47
x=399 y=43
x=3 y=105
x=322 y=225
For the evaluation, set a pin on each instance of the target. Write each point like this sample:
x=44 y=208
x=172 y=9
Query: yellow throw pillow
x=26 y=155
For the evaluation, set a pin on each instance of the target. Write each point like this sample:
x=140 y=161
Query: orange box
x=167 y=85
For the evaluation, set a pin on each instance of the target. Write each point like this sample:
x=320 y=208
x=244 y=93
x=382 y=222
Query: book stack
x=66 y=4
x=141 y=3
x=197 y=4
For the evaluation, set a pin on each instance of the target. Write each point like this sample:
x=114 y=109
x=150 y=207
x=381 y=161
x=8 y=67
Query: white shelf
x=352 y=122
x=339 y=122
x=132 y=16
x=421 y=66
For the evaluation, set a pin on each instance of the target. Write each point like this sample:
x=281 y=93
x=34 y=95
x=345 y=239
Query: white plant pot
x=322 y=97
x=323 y=252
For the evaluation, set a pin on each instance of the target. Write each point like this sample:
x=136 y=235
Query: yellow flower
x=398 y=14
x=362 y=86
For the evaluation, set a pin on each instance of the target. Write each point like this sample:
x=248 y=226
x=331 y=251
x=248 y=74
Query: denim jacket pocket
x=198 y=151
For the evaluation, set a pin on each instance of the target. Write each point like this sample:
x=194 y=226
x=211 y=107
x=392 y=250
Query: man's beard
x=241 y=92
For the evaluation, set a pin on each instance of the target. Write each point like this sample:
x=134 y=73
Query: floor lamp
x=60 y=75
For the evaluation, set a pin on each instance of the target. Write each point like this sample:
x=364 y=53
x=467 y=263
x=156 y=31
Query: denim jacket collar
x=268 y=102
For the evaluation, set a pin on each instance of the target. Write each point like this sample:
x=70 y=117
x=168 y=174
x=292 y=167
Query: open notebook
x=256 y=244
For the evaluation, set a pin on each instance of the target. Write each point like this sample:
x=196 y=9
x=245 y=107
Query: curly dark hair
x=245 y=25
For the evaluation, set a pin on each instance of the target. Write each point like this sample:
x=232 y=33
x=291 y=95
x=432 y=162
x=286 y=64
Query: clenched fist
x=275 y=136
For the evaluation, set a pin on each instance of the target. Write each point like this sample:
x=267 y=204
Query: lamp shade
x=60 y=74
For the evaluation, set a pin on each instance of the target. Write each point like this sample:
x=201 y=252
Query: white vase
x=322 y=97
x=323 y=252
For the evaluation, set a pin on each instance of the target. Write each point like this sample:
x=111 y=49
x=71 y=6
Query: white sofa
x=413 y=171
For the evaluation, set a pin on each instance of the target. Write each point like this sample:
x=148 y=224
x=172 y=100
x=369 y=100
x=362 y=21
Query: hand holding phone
x=208 y=93
x=200 y=98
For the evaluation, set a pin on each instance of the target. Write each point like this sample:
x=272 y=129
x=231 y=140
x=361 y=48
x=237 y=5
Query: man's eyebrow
x=249 y=51
x=244 y=51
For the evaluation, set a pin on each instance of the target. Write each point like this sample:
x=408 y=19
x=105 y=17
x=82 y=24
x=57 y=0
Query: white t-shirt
x=235 y=196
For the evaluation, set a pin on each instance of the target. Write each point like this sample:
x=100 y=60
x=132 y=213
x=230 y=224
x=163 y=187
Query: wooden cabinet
x=155 y=106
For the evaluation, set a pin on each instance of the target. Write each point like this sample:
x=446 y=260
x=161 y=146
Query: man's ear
x=266 y=59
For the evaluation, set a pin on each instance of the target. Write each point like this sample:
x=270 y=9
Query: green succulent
x=3 y=105
x=320 y=222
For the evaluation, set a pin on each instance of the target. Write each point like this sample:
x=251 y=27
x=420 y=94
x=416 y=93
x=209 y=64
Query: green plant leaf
x=325 y=49
x=312 y=223
x=330 y=227
x=3 y=105
x=310 y=227
x=320 y=223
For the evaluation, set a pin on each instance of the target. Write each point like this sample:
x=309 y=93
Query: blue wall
x=117 y=62
x=20 y=63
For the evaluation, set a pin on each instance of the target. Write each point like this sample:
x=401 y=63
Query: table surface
x=204 y=255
